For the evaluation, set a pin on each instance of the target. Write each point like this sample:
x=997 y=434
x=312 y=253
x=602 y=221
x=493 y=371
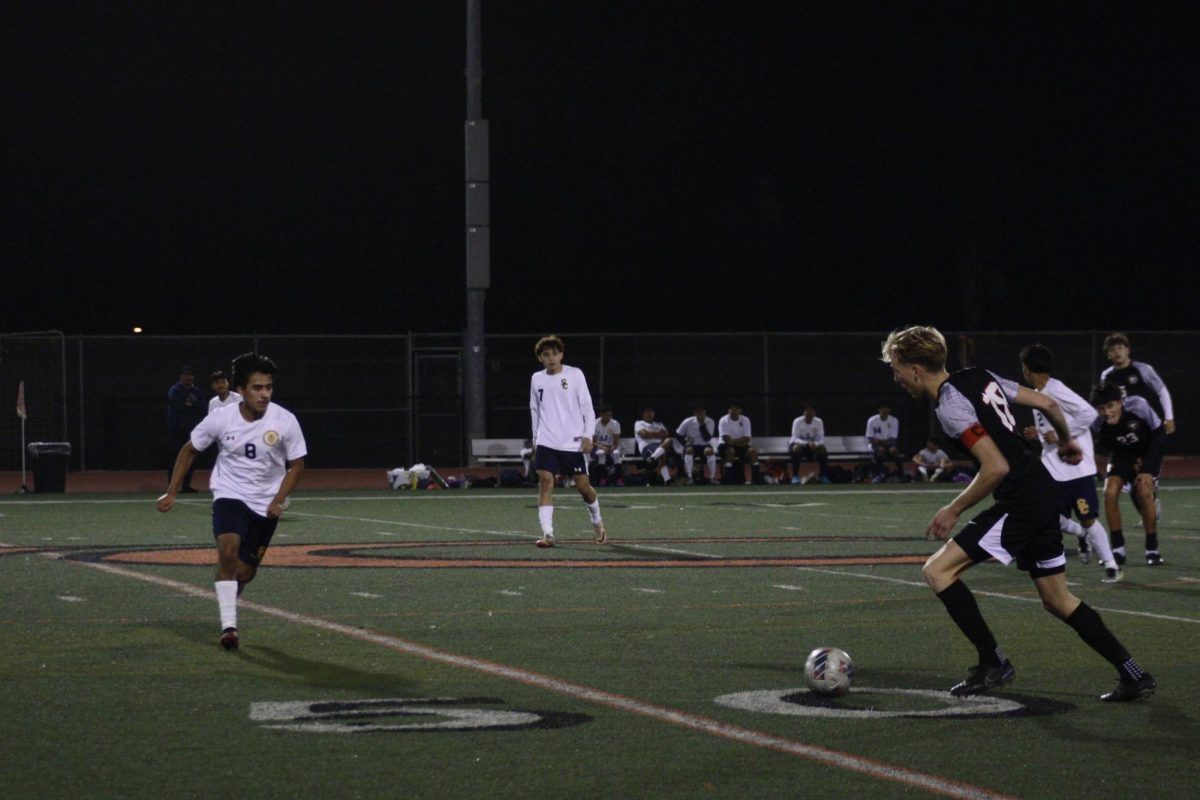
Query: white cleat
x=601 y=533
x=546 y=541
x=1112 y=575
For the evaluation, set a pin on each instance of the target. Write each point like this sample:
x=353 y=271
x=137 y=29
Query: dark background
x=298 y=167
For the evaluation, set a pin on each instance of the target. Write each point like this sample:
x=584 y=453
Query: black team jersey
x=974 y=403
x=1134 y=433
x=1136 y=380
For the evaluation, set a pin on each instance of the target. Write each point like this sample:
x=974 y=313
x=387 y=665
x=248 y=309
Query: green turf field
x=416 y=644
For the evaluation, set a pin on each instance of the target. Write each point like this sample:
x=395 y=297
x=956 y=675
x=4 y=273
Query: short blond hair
x=919 y=344
x=550 y=342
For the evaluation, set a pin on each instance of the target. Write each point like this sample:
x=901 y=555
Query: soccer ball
x=828 y=671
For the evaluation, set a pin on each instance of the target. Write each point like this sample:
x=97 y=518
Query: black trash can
x=50 y=465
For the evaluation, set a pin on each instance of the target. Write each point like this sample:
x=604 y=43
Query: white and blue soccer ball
x=829 y=671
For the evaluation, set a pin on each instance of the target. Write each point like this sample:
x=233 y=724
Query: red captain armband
x=972 y=435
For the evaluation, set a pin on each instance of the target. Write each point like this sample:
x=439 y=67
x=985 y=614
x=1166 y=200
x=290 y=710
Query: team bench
x=770 y=448
x=839 y=448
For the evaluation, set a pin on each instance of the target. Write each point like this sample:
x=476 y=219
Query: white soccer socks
x=227 y=602
x=546 y=518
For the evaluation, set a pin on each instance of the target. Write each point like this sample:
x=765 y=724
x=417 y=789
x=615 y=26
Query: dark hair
x=551 y=342
x=218 y=375
x=1038 y=358
x=248 y=363
x=605 y=409
x=1116 y=337
x=1106 y=394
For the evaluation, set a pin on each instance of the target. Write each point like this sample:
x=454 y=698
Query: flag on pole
x=21 y=400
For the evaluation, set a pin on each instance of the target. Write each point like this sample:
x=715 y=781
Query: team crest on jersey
x=271 y=438
x=564 y=383
x=1133 y=379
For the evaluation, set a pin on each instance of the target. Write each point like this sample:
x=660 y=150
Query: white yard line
x=934 y=784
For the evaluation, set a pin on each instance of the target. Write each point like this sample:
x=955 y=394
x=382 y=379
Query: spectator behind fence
x=883 y=433
x=185 y=409
x=808 y=444
x=735 y=449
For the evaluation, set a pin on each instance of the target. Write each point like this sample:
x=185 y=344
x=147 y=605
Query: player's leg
x=755 y=471
x=1132 y=681
x=797 y=451
x=545 y=465
x=943 y=573
x=1143 y=490
x=822 y=456
x=591 y=501
x=689 y=463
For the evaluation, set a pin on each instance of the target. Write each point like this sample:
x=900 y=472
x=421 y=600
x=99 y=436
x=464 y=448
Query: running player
x=973 y=405
x=563 y=425
x=1134 y=437
x=259 y=462
x=1078 y=481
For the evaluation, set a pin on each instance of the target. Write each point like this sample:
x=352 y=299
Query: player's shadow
x=305 y=671
x=641 y=553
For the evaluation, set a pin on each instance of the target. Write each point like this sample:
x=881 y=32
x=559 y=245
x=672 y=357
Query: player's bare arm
x=586 y=445
x=294 y=469
x=992 y=469
x=183 y=462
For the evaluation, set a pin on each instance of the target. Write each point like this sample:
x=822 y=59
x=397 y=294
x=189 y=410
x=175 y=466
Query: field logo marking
x=438 y=715
x=803 y=703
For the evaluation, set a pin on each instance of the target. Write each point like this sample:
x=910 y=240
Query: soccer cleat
x=1085 y=553
x=1131 y=690
x=546 y=541
x=601 y=533
x=1153 y=559
x=229 y=639
x=983 y=678
x=1112 y=575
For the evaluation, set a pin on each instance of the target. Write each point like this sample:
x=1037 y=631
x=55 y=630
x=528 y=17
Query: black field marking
x=934 y=784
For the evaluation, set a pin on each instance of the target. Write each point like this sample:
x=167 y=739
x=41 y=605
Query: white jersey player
x=564 y=422
x=222 y=396
x=259 y=462
x=606 y=447
x=1077 y=481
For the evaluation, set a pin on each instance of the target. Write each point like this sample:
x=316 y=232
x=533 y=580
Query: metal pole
x=478 y=234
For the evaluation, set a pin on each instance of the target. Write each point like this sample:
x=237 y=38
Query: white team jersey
x=561 y=409
x=931 y=458
x=607 y=434
x=694 y=433
x=253 y=456
x=640 y=427
x=805 y=432
x=216 y=402
x=1080 y=416
x=734 y=428
x=879 y=428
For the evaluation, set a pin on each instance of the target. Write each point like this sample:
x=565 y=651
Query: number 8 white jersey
x=253 y=456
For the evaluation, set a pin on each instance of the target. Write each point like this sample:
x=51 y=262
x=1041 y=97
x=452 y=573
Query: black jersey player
x=1134 y=437
x=974 y=406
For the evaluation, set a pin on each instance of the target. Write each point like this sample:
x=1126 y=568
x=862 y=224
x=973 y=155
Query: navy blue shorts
x=1079 y=498
x=234 y=516
x=559 y=462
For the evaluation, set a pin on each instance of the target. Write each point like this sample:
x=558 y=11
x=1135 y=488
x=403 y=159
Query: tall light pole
x=479 y=257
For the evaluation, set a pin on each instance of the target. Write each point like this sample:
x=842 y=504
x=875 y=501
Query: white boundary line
x=834 y=758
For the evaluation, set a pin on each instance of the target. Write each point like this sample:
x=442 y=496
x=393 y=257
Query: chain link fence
x=385 y=401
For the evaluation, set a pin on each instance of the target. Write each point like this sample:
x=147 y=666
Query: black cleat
x=229 y=639
x=983 y=678
x=1153 y=559
x=1131 y=690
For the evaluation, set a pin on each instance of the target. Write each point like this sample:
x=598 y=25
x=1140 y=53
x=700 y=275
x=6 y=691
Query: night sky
x=237 y=167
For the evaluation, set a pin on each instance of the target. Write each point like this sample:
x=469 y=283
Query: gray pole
x=478 y=233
